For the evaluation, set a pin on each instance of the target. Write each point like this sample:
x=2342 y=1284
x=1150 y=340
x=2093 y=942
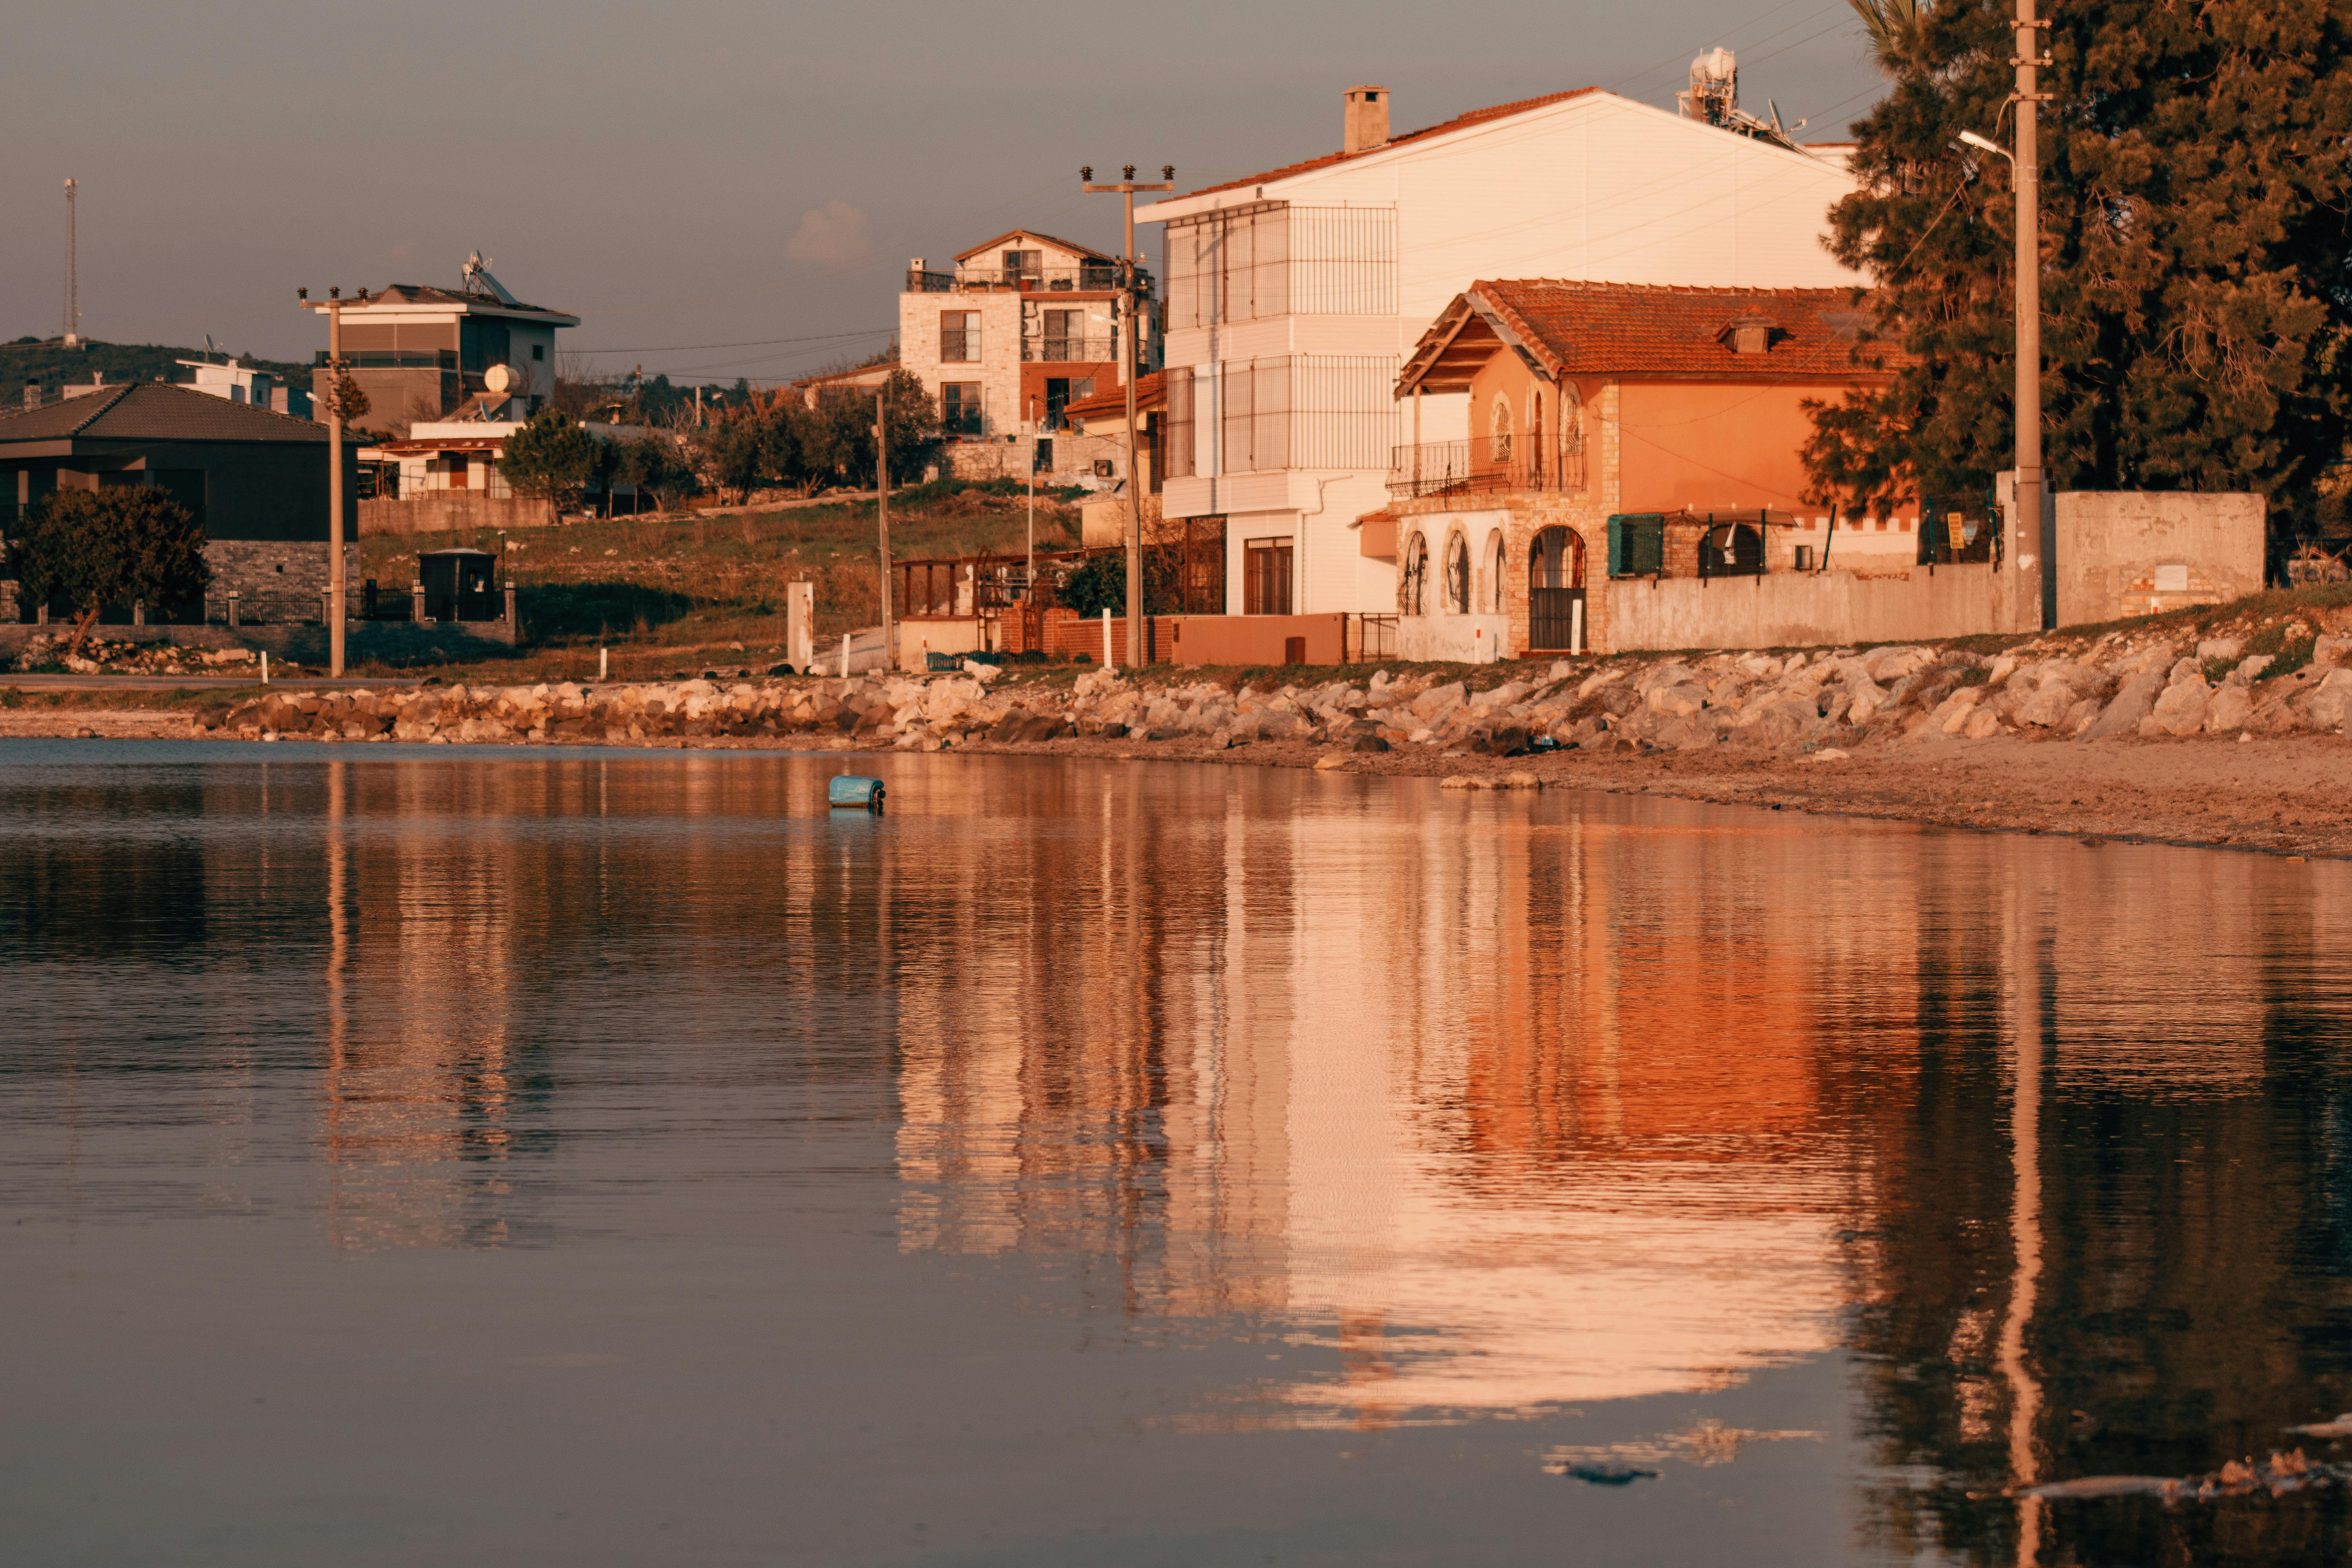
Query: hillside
x=54 y=364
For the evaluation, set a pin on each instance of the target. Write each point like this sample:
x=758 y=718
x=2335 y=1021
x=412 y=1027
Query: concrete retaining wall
x=450 y=512
x=2140 y=554
x=1818 y=609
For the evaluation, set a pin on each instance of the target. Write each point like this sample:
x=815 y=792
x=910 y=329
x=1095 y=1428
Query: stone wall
x=274 y=579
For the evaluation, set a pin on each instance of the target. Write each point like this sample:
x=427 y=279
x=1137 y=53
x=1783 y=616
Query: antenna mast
x=73 y=293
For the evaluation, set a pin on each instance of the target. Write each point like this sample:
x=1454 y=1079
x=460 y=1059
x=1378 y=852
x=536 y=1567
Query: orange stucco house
x=1594 y=401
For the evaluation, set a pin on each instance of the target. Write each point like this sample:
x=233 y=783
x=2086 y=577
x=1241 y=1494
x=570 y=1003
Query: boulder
x=2048 y=707
x=1984 y=722
x=2325 y=709
x=2228 y=709
x=1438 y=698
x=2131 y=704
x=1677 y=701
x=1368 y=744
x=2180 y=711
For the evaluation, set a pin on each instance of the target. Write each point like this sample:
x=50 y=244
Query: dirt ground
x=2287 y=796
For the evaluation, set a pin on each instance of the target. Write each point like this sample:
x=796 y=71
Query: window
x=1057 y=398
x=1266 y=577
x=1025 y=263
x=959 y=337
x=1066 y=332
x=1413 y=591
x=959 y=408
x=1501 y=428
x=1495 y=574
x=1177 y=451
x=539 y=351
x=1457 y=575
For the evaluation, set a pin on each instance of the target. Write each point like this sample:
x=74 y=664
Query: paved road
x=184 y=682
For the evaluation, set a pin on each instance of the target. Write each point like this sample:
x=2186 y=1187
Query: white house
x=1294 y=296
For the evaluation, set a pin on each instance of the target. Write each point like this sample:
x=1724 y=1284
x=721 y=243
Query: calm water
x=415 y=1156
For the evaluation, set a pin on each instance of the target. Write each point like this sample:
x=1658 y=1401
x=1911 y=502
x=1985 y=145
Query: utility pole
x=337 y=587
x=1032 y=589
x=2027 y=166
x=73 y=275
x=882 y=509
x=1126 y=188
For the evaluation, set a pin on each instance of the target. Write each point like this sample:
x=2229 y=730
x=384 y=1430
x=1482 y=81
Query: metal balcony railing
x=1069 y=351
x=1486 y=465
x=424 y=359
x=1092 y=276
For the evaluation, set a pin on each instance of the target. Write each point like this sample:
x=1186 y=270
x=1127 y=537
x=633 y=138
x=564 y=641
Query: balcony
x=1486 y=465
x=427 y=359
x=1100 y=277
x=1069 y=351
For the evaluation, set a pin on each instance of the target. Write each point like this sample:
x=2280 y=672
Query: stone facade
x=274 y=579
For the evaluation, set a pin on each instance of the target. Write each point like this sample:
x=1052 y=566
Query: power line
x=748 y=343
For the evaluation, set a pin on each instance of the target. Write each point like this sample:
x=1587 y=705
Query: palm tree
x=1893 y=29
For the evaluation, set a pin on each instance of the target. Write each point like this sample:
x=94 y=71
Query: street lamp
x=2029 y=355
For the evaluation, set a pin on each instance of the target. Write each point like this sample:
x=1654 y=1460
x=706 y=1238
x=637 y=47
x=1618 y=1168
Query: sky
x=720 y=188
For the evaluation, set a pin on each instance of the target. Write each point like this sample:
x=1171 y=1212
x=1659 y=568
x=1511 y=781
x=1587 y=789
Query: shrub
x=113 y=546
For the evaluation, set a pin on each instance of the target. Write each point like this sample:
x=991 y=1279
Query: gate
x=1556 y=592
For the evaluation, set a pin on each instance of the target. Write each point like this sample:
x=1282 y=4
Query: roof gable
x=154 y=411
x=1071 y=246
x=1568 y=327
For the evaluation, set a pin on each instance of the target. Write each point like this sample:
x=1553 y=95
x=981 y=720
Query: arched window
x=1539 y=458
x=1457 y=575
x=1571 y=439
x=1495 y=572
x=1413 y=586
x=1498 y=444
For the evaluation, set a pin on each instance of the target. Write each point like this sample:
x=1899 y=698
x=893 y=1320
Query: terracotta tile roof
x=1577 y=328
x=1459 y=123
x=154 y=411
x=1150 y=392
x=1069 y=245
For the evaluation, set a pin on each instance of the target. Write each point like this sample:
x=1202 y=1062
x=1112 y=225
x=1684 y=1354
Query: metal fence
x=1070 y=351
x=1954 y=529
x=1094 y=277
x=1482 y=465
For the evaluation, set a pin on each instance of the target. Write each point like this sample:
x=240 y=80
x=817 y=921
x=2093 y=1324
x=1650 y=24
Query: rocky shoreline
x=2132 y=735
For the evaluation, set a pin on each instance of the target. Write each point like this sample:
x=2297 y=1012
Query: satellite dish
x=505 y=381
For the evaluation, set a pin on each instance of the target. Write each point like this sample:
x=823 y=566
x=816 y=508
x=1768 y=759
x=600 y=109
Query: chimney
x=1367 y=123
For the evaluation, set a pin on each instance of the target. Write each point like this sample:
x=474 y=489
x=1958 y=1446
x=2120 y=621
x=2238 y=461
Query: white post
x=844 y=656
x=1111 y=660
x=264 y=667
x=1576 y=628
x=604 y=662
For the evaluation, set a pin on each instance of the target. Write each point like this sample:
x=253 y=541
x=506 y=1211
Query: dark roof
x=1032 y=234
x=1150 y=392
x=1459 y=123
x=1573 y=328
x=154 y=411
x=427 y=294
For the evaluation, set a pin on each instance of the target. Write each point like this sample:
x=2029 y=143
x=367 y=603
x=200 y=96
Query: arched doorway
x=1413 y=589
x=1556 y=592
x=1731 y=550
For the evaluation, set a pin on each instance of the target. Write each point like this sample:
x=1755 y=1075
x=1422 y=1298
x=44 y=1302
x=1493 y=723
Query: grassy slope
x=671 y=592
x=53 y=365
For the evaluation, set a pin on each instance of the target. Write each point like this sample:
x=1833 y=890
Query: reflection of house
x=1591 y=402
x=423 y=353
x=1294 y=295
x=255 y=480
x=1023 y=326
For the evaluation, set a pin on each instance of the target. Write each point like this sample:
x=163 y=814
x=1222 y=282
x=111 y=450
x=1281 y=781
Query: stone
x=2131 y=704
x=2221 y=648
x=2183 y=670
x=2228 y=709
x=2251 y=667
x=1369 y=743
x=2181 y=709
x=1677 y=701
x=1458 y=781
x=2325 y=709
x=1438 y=698
x=2081 y=716
x=1830 y=754
x=1522 y=781
x=1981 y=724
x=1336 y=760
x=2048 y=707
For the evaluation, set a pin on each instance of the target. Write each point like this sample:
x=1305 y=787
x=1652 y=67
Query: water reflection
x=1465 y=1108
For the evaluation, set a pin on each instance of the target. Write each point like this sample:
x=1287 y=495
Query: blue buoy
x=857 y=792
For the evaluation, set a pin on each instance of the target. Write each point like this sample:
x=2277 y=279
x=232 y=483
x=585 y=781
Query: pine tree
x=2197 y=217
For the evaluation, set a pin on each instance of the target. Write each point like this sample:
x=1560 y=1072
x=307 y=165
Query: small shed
x=461 y=585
